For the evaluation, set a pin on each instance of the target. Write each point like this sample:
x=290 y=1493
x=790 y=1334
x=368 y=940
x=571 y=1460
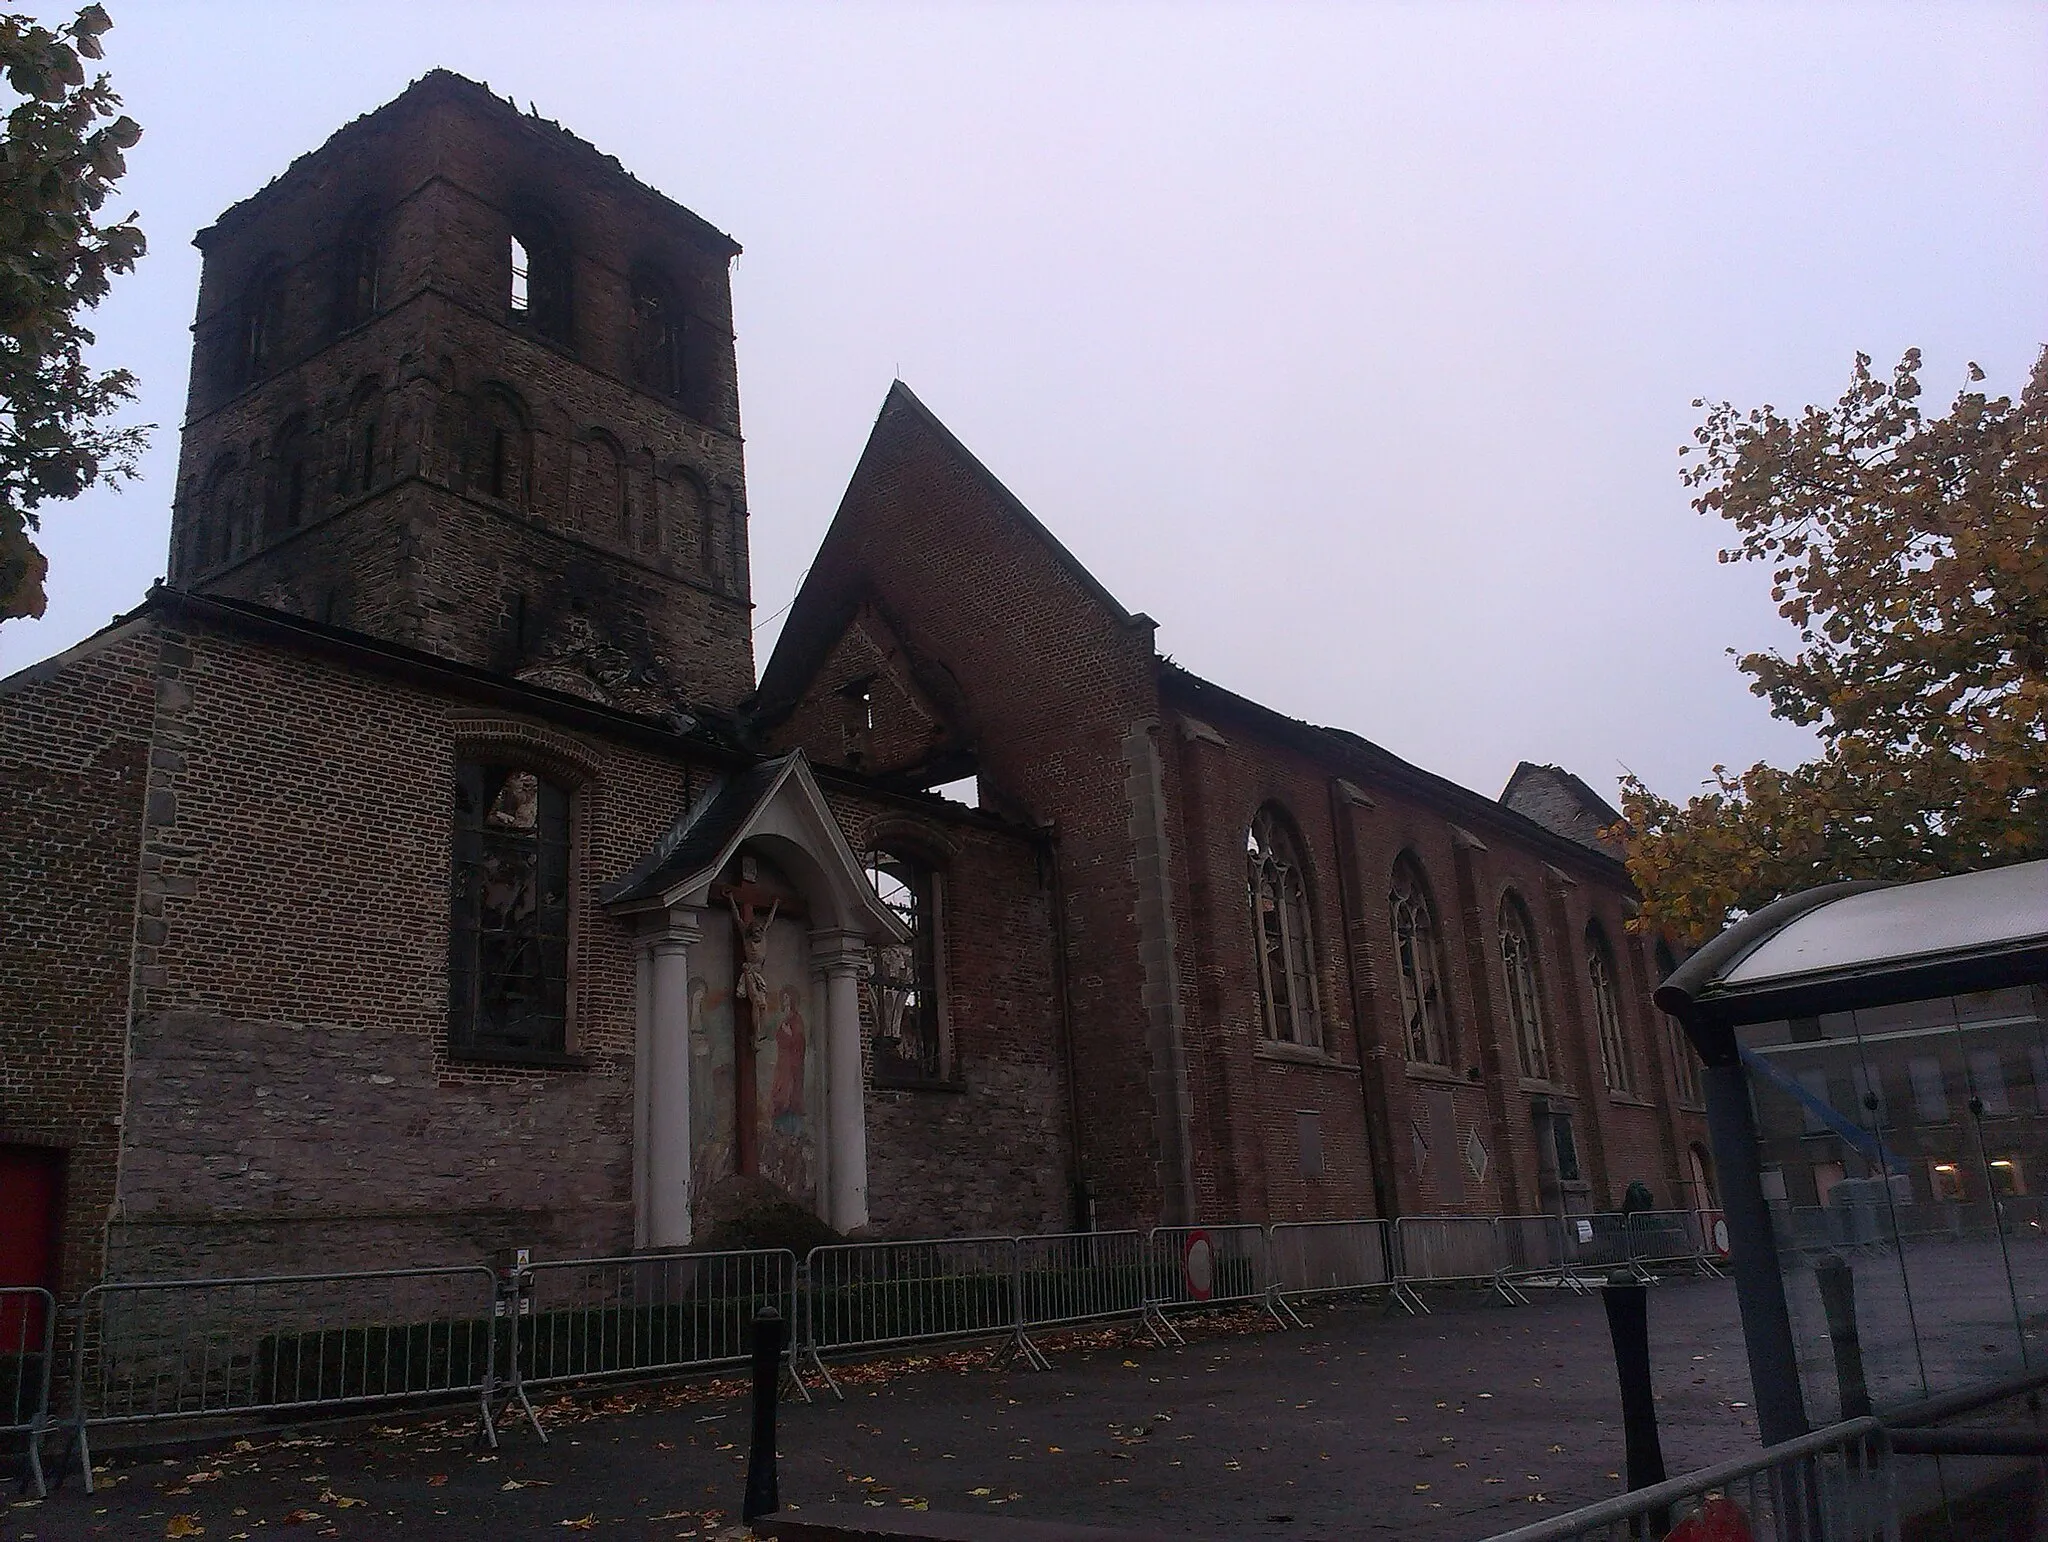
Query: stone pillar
x=667 y=1071
x=841 y=958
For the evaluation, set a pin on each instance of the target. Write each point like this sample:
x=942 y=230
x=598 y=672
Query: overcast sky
x=1353 y=343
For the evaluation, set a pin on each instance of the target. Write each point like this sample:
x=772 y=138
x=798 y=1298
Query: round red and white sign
x=1198 y=1265
x=1720 y=1236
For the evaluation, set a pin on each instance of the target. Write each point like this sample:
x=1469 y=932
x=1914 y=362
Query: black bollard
x=768 y=1337
x=1628 y=1324
x=1838 y=1303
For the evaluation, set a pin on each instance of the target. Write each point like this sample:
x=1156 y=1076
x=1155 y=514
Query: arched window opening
x=357 y=294
x=537 y=291
x=500 y=447
x=1424 y=1013
x=224 y=537
x=1614 y=1063
x=261 y=342
x=715 y=543
x=601 y=489
x=1685 y=1063
x=1518 y=977
x=1281 y=936
x=359 y=472
x=657 y=333
x=903 y=982
x=508 y=964
x=291 y=457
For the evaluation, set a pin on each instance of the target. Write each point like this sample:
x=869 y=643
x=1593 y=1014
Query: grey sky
x=1353 y=343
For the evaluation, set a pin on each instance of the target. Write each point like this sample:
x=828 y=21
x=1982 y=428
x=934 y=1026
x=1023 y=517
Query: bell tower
x=462 y=382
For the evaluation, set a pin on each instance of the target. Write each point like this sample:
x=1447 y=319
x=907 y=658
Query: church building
x=423 y=870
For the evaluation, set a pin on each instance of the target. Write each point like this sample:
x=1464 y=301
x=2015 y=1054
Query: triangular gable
x=831 y=595
x=776 y=800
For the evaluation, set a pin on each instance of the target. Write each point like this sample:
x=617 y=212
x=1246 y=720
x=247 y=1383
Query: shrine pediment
x=777 y=804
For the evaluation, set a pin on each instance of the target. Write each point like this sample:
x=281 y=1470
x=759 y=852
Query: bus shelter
x=1877 y=1090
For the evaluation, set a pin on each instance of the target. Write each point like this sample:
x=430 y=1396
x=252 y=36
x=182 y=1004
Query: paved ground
x=1448 y=1427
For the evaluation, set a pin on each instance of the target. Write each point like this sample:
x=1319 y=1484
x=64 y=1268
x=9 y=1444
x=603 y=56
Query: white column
x=668 y=1078
x=841 y=957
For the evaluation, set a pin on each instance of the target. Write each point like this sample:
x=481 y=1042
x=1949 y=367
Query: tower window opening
x=295 y=492
x=521 y=298
x=496 y=480
x=368 y=474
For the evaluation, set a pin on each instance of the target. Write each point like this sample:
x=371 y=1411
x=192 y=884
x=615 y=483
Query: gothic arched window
x=1281 y=936
x=1614 y=1064
x=361 y=468
x=1518 y=980
x=508 y=943
x=903 y=980
x=1425 y=1015
x=1685 y=1063
x=657 y=333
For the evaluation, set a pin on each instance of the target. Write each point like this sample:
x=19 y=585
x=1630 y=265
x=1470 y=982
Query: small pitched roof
x=1560 y=801
x=778 y=801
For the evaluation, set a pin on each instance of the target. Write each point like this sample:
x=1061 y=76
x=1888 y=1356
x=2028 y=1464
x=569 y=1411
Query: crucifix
x=755 y=908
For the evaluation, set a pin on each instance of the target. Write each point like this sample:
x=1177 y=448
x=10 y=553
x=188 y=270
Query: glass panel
x=1907 y=1140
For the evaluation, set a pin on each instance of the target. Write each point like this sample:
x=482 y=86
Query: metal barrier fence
x=1197 y=1266
x=1536 y=1247
x=185 y=1349
x=871 y=1294
x=1449 y=1250
x=1324 y=1258
x=1835 y=1485
x=28 y=1344
x=584 y=1319
x=1668 y=1238
x=1085 y=1276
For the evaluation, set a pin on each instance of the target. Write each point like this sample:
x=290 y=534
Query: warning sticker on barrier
x=1198 y=1265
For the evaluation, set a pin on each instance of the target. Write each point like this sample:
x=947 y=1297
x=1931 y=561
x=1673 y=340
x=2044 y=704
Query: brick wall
x=74 y=753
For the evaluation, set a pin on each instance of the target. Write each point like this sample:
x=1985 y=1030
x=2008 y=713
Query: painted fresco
x=788 y=1049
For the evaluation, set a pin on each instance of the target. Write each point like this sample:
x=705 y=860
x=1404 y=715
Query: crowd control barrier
x=1070 y=1278
x=1667 y=1239
x=585 y=1319
x=870 y=1295
x=1327 y=1258
x=193 y=1349
x=1450 y=1250
x=28 y=1344
x=1198 y=1266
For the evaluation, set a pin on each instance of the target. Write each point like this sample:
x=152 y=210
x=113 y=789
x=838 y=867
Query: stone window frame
x=291 y=485
x=574 y=768
x=1617 y=1069
x=915 y=844
x=1410 y=963
x=1522 y=988
x=1274 y=864
x=356 y=469
x=358 y=267
x=499 y=457
x=655 y=340
x=259 y=323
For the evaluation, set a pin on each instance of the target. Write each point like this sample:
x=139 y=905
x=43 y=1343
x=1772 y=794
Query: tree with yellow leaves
x=1909 y=552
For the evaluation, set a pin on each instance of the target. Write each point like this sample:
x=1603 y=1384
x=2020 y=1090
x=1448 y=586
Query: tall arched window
x=600 y=468
x=1425 y=1015
x=537 y=279
x=508 y=950
x=361 y=468
x=291 y=475
x=260 y=343
x=356 y=270
x=1518 y=980
x=1614 y=1064
x=1685 y=1064
x=657 y=333
x=1281 y=936
x=500 y=447
x=227 y=534
x=903 y=981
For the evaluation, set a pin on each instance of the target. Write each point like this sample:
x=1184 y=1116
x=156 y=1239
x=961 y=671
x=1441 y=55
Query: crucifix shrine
x=753 y=1002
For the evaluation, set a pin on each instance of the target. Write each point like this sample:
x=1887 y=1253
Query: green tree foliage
x=59 y=160
x=1909 y=552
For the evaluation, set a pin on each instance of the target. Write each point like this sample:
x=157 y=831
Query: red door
x=31 y=1213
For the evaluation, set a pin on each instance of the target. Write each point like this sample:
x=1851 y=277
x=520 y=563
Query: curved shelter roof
x=1848 y=945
